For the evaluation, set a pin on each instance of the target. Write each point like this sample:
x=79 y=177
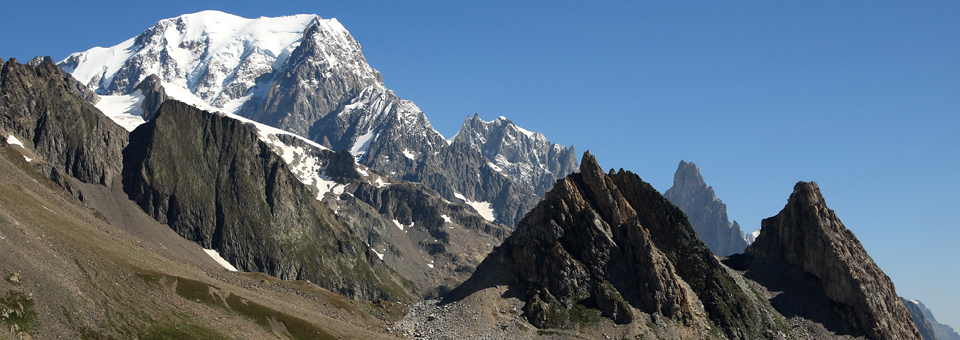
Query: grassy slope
x=86 y=278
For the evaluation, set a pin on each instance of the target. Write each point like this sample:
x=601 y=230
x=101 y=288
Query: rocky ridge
x=412 y=228
x=611 y=243
x=808 y=235
x=43 y=109
x=707 y=214
x=528 y=158
x=214 y=182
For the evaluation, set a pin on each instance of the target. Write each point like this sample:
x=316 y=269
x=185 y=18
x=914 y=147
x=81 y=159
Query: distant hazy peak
x=707 y=214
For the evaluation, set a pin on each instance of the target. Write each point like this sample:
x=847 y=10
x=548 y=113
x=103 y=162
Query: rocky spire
x=613 y=242
x=809 y=235
x=707 y=214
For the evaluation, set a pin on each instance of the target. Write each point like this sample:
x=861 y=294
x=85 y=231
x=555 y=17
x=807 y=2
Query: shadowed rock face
x=612 y=242
x=707 y=214
x=214 y=182
x=42 y=107
x=808 y=234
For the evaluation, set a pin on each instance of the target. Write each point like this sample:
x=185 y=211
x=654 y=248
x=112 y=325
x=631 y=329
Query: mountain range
x=308 y=76
x=223 y=177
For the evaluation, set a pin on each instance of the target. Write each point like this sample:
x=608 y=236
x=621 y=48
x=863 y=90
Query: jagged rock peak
x=528 y=158
x=808 y=234
x=612 y=242
x=707 y=214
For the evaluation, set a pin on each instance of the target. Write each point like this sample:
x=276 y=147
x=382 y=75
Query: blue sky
x=861 y=97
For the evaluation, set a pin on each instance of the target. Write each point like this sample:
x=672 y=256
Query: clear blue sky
x=861 y=97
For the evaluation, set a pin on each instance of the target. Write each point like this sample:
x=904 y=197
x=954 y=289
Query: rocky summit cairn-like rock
x=809 y=235
x=613 y=243
x=707 y=214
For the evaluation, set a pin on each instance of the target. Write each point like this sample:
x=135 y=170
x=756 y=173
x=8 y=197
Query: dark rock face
x=528 y=158
x=925 y=326
x=612 y=242
x=942 y=331
x=79 y=88
x=809 y=235
x=41 y=106
x=707 y=214
x=212 y=181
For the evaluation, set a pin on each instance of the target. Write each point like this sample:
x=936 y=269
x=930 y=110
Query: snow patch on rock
x=215 y=255
x=484 y=208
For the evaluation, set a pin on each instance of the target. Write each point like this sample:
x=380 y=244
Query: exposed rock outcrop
x=215 y=183
x=707 y=214
x=42 y=107
x=809 y=235
x=612 y=242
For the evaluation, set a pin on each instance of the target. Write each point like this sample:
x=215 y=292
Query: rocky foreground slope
x=72 y=271
x=808 y=236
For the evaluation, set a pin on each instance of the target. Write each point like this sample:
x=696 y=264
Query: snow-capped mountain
x=301 y=74
x=528 y=158
x=218 y=57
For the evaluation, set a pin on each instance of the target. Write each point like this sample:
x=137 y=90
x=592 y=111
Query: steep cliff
x=809 y=235
x=42 y=107
x=214 y=182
